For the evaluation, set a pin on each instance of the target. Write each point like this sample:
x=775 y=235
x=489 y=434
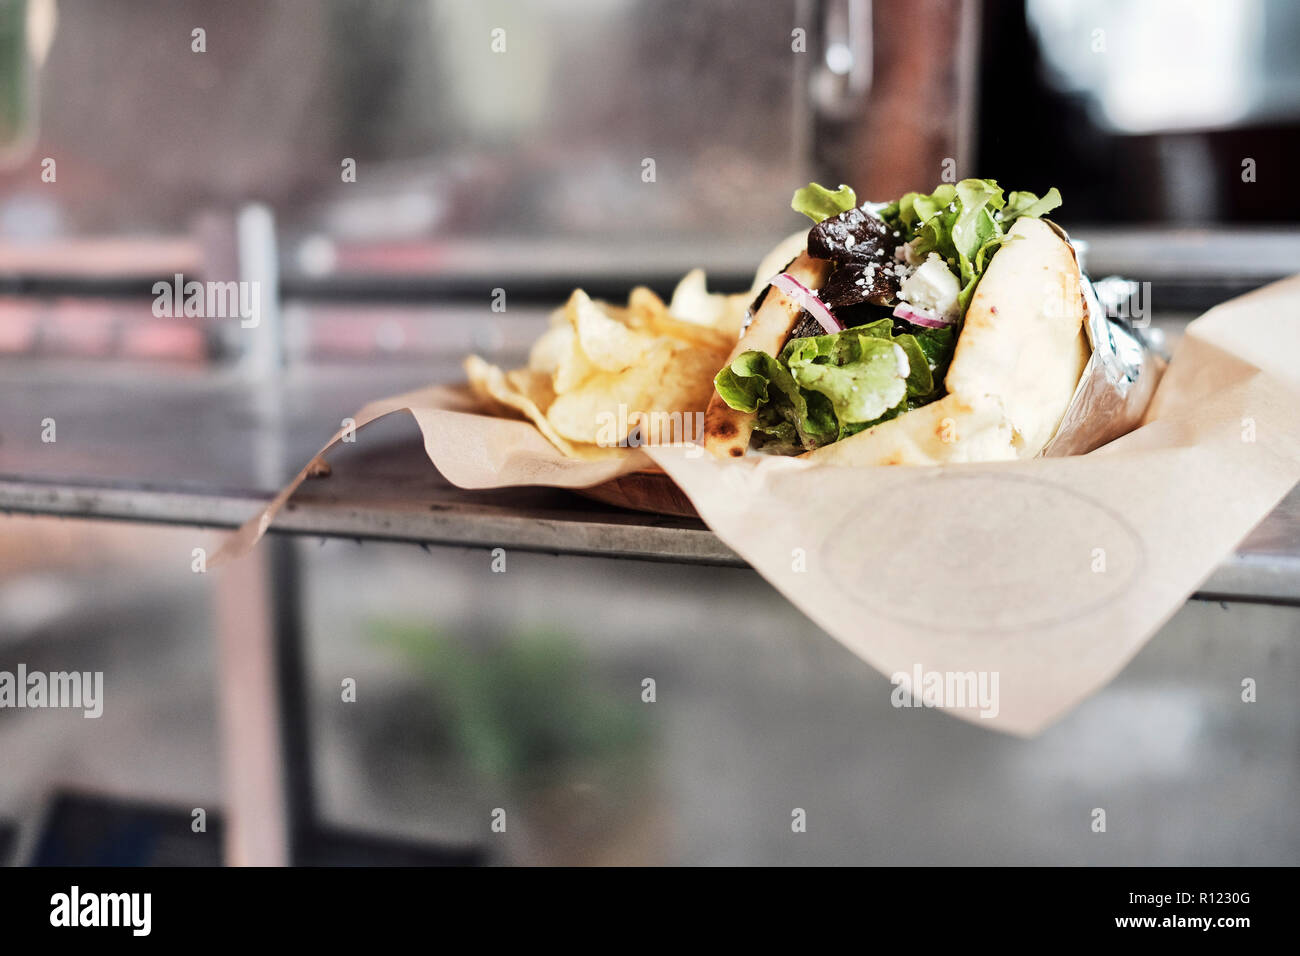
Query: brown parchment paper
x=1043 y=577
x=471 y=449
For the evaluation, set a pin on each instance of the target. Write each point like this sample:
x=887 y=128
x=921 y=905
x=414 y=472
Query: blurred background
x=381 y=167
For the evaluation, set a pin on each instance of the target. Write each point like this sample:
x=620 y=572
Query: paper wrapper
x=1045 y=576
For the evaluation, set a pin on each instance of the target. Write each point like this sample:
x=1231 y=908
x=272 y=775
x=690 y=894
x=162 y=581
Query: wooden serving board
x=651 y=491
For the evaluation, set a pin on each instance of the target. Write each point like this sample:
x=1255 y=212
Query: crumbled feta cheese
x=933 y=287
x=904 y=367
x=905 y=253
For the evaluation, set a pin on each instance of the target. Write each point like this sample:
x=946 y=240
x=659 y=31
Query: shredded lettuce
x=819 y=203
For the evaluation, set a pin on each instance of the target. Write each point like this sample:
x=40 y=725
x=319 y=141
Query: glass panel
x=483 y=690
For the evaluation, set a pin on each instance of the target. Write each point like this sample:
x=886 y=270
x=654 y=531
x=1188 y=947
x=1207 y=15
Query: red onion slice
x=922 y=317
x=806 y=298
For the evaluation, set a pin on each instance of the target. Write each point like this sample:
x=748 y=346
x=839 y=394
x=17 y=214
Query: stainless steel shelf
x=209 y=451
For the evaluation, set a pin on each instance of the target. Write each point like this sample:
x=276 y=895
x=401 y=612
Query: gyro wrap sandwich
x=937 y=328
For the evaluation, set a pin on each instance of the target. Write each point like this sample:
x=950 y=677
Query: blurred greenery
x=525 y=706
x=13 y=71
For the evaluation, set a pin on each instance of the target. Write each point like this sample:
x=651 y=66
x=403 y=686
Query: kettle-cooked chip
x=599 y=368
x=669 y=387
x=606 y=342
x=527 y=393
x=552 y=350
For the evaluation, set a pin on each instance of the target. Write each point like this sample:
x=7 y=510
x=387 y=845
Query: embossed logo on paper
x=1046 y=554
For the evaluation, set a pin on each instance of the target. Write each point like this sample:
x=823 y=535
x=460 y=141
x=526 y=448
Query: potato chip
x=693 y=303
x=711 y=340
x=573 y=371
x=554 y=347
x=601 y=368
x=686 y=381
x=647 y=313
x=586 y=413
x=673 y=382
x=643 y=307
x=606 y=342
x=534 y=386
x=490 y=386
x=569 y=365
x=521 y=391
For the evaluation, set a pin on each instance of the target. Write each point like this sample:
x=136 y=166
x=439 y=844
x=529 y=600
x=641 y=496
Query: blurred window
x=1164 y=65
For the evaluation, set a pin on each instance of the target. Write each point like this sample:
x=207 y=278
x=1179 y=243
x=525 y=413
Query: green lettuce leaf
x=1030 y=206
x=964 y=223
x=819 y=203
x=756 y=381
x=823 y=388
x=937 y=345
x=858 y=374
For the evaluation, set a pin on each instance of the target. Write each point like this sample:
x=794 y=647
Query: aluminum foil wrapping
x=1121 y=374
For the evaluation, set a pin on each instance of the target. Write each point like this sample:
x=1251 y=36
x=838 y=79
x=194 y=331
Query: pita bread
x=726 y=430
x=951 y=429
x=1023 y=342
x=788 y=249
